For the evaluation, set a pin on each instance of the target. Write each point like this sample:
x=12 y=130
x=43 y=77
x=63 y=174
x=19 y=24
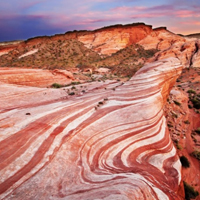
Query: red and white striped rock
x=108 y=143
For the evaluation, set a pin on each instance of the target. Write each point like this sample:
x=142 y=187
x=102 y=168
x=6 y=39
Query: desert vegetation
x=190 y=192
x=184 y=161
x=71 y=53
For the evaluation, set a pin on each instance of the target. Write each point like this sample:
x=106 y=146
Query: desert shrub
x=150 y=53
x=73 y=88
x=72 y=93
x=190 y=106
x=56 y=85
x=196 y=154
x=178 y=146
x=190 y=193
x=184 y=161
x=186 y=122
x=169 y=125
x=177 y=103
x=191 y=91
x=75 y=82
x=197 y=130
x=195 y=102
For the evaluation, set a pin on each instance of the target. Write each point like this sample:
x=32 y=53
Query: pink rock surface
x=108 y=143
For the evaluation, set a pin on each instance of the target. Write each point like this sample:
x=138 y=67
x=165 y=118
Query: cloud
x=191 y=23
x=23 y=27
x=187 y=13
x=50 y=16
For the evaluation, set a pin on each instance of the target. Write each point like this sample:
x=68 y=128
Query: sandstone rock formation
x=171 y=45
x=110 y=40
x=35 y=77
x=108 y=143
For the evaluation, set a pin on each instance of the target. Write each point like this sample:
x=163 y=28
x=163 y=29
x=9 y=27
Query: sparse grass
x=184 y=161
x=59 y=54
x=190 y=192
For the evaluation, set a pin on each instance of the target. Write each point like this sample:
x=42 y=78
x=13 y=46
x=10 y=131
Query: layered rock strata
x=187 y=50
x=35 y=77
x=111 y=142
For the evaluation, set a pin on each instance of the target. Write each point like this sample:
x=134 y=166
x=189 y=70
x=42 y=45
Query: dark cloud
x=23 y=27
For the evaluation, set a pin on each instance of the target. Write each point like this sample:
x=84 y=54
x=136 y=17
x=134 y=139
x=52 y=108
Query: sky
x=23 y=19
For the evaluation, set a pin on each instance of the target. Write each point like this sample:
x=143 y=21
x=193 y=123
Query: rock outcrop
x=103 y=144
x=171 y=45
x=35 y=77
x=112 y=39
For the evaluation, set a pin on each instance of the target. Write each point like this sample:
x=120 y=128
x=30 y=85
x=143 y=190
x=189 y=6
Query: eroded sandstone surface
x=110 y=142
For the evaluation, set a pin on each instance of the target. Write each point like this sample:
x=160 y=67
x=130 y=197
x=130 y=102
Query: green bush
x=56 y=85
x=195 y=101
x=184 y=161
x=190 y=193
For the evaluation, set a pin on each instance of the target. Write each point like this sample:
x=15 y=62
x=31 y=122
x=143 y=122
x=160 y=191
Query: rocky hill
x=113 y=114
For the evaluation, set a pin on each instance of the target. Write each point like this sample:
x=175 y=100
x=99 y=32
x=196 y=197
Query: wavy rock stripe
x=104 y=144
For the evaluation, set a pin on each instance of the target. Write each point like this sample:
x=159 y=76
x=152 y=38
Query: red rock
x=104 y=144
x=160 y=39
x=35 y=77
x=110 y=40
x=65 y=73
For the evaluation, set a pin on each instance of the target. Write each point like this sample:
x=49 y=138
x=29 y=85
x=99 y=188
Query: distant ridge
x=194 y=35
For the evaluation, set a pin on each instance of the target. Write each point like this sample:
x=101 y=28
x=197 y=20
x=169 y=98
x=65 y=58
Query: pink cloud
x=185 y=13
x=191 y=22
x=127 y=9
